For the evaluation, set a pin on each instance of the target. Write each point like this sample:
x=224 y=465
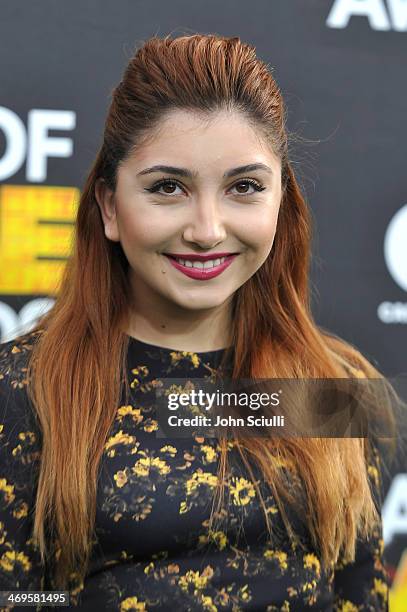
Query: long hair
x=78 y=358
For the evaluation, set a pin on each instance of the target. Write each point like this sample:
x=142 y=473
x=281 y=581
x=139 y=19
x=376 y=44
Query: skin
x=205 y=214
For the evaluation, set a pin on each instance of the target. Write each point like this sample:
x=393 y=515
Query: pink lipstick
x=201 y=273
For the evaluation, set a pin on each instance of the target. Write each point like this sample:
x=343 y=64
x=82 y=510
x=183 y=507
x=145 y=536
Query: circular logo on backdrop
x=395 y=247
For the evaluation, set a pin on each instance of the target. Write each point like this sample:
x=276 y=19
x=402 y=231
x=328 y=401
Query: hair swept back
x=76 y=392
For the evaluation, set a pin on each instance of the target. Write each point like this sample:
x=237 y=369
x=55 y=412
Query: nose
x=205 y=226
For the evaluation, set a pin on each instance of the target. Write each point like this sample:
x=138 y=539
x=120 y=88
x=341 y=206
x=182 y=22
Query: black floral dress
x=153 y=547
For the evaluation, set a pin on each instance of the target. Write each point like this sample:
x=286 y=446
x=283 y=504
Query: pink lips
x=202 y=274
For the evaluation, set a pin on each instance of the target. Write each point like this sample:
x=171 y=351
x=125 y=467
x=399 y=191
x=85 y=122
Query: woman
x=194 y=162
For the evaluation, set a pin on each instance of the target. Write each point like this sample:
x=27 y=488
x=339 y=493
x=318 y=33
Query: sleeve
x=363 y=585
x=20 y=444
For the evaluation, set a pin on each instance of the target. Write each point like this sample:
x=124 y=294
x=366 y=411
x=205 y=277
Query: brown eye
x=245 y=185
x=169 y=187
x=248 y=183
x=167 y=184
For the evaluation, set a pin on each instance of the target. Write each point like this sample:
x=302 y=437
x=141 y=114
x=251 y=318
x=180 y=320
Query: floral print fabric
x=153 y=548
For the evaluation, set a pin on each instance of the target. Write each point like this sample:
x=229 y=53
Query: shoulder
x=16 y=411
x=14 y=357
x=20 y=460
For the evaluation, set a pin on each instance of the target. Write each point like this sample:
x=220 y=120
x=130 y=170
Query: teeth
x=201 y=264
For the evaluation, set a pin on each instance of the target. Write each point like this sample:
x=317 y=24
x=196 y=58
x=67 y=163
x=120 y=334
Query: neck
x=169 y=325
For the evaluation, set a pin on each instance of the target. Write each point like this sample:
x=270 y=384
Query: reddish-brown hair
x=79 y=357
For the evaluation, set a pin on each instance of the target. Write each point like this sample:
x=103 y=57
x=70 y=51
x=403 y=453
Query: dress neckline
x=136 y=343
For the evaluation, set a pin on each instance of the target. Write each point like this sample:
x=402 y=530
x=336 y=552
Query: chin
x=200 y=303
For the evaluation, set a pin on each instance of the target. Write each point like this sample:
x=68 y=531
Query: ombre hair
x=79 y=354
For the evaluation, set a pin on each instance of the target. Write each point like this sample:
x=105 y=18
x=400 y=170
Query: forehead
x=197 y=139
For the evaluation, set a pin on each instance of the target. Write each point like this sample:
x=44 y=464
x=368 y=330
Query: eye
x=171 y=184
x=252 y=183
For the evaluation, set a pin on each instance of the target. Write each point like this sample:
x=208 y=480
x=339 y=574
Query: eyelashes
x=174 y=183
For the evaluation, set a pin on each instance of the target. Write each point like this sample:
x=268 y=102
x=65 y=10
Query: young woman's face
x=205 y=204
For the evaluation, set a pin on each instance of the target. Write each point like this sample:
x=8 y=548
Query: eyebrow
x=189 y=174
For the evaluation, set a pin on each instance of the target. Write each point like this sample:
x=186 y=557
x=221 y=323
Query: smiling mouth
x=191 y=259
x=200 y=264
x=201 y=270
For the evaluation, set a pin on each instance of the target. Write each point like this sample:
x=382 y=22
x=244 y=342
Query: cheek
x=138 y=231
x=259 y=230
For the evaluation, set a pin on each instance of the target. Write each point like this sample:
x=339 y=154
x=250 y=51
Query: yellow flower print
x=279 y=556
x=242 y=491
x=132 y=603
x=123 y=411
x=149 y=568
x=146 y=510
x=143 y=466
x=208 y=604
x=183 y=508
x=7 y=561
x=176 y=356
x=311 y=561
x=199 y=581
x=8 y=490
x=150 y=426
x=143 y=370
x=195 y=360
x=139 y=373
x=381 y=588
x=171 y=450
x=11 y=557
x=309 y=586
x=200 y=477
x=119 y=438
x=22 y=511
x=219 y=537
x=27 y=434
x=120 y=478
x=209 y=452
x=244 y=593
